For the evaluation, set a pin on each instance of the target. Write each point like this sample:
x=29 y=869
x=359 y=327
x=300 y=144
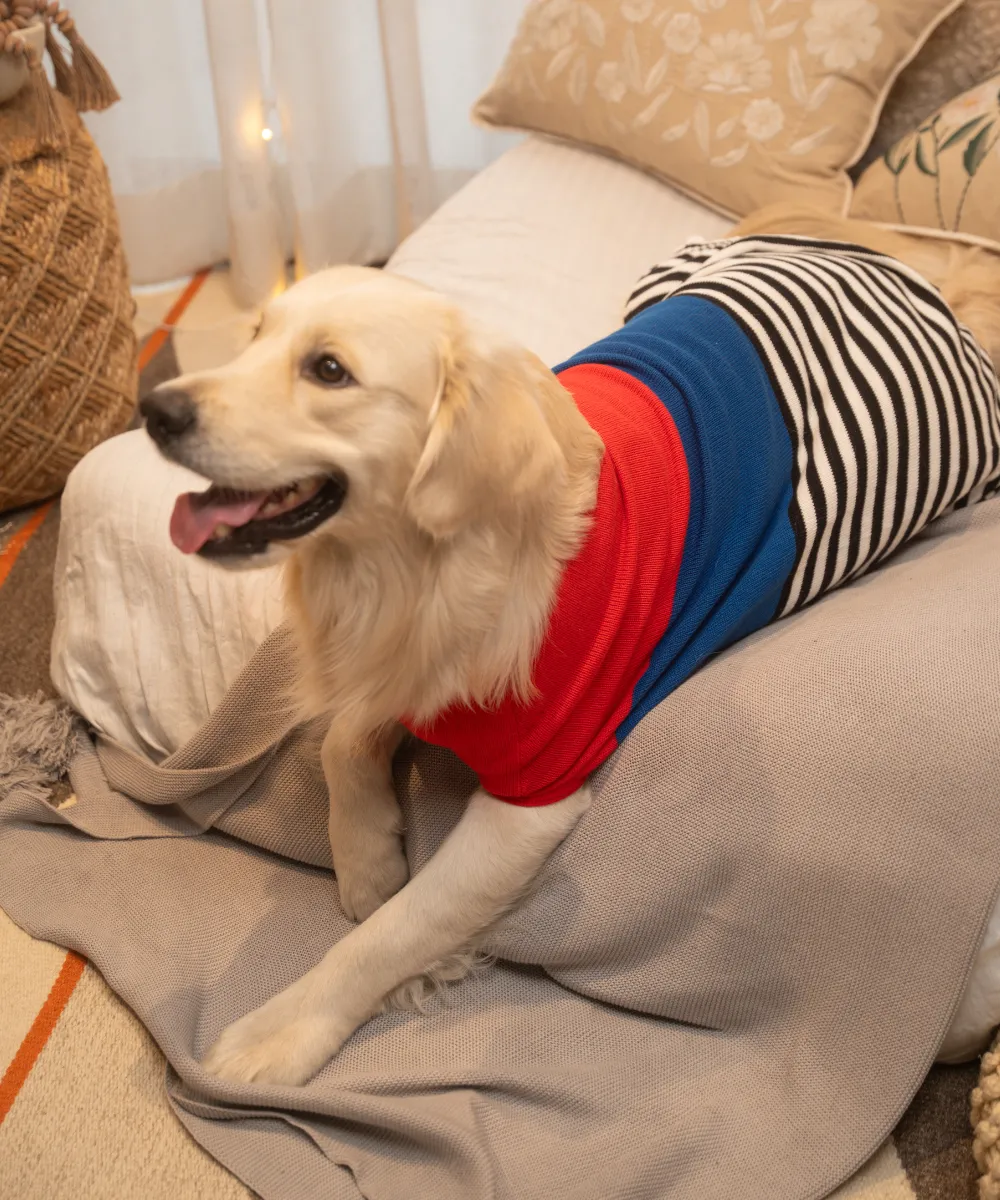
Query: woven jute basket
x=67 y=347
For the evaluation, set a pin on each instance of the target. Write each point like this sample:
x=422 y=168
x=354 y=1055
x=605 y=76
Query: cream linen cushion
x=740 y=102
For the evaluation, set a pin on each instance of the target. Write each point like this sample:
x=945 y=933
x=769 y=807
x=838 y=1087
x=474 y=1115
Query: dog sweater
x=778 y=415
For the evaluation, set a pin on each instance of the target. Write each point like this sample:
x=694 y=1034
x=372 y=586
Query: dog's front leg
x=365 y=821
x=480 y=871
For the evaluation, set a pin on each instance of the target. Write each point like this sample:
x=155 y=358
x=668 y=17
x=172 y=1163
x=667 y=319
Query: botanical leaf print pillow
x=741 y=102
x=943 y=175
x=961 y=52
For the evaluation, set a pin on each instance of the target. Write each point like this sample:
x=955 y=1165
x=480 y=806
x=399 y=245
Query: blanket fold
x=730 y=980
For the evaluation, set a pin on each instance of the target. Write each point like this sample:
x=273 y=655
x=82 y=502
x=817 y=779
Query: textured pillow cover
x=741 y=103
x=945 y=174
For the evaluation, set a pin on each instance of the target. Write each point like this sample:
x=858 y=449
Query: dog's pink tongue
x=193 y=523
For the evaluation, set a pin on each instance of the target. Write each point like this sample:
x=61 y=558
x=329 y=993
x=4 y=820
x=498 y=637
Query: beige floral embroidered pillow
x=741 y=102
x=944 y=175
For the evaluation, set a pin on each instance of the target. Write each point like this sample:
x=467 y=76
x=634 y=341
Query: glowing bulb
x=267 y=134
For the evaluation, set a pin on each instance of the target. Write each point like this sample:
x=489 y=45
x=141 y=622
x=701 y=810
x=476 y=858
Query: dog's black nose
x=169 y=412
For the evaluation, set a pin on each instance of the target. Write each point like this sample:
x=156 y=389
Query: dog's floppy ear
x=489 y=448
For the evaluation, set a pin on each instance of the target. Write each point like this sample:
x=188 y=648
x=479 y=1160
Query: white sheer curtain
x=367 y=103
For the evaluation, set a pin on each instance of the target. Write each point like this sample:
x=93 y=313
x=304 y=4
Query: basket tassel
x=50 y=126
x=92 y=89
x=65 y=79
x=96 y=91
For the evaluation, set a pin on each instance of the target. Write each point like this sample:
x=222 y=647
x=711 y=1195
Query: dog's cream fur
x=471 y=475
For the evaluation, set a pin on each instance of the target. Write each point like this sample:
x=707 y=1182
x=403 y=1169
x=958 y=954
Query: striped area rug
x=83 y=1111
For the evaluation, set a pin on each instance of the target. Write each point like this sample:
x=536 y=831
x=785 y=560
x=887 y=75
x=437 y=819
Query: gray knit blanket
x=729 y=982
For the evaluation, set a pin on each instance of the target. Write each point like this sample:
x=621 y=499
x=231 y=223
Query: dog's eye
x=329 y=371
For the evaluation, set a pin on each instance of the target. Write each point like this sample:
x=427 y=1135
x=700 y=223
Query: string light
x=267 y=133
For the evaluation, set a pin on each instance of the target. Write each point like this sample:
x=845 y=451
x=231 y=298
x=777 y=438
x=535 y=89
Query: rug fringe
x=38 y=739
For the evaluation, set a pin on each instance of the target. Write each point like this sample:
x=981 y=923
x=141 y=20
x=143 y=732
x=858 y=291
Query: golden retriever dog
x=430 y=486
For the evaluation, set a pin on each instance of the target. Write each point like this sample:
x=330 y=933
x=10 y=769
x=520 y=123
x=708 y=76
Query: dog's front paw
x=270 y=1045
x=366 y=882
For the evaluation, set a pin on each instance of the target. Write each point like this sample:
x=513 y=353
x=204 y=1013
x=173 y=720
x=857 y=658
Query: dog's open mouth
x=222 y=521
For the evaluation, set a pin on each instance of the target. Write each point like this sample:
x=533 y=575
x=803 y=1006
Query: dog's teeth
x=221 y=531
x=283 y=499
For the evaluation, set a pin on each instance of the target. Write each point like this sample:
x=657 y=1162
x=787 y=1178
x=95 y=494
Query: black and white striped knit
x=892 y=407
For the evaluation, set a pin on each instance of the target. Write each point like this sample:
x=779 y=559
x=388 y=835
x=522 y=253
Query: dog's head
x=363 y=398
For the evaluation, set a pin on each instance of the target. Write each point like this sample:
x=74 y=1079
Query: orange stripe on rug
x=159 y=335
x=10 y=553
x=40 y=1031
